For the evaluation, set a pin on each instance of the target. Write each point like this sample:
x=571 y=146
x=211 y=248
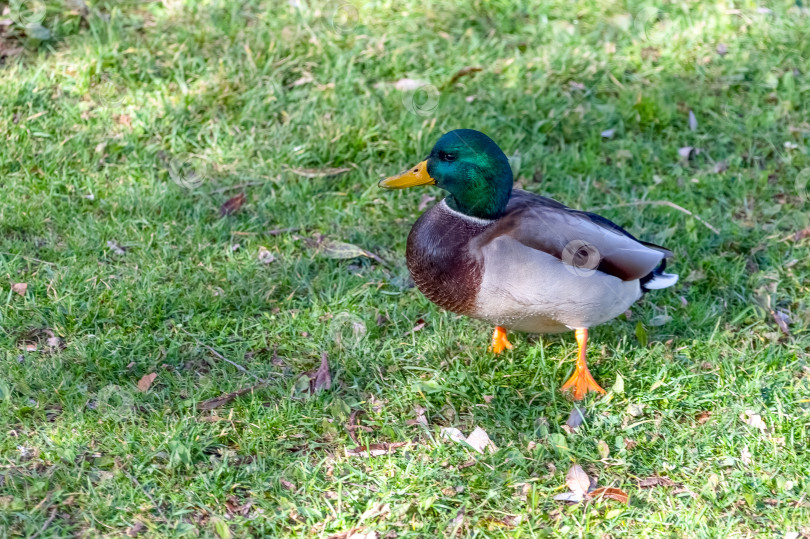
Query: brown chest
x=443 y=267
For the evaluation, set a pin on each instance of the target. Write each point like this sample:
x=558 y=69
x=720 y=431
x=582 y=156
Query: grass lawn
x=127 y=125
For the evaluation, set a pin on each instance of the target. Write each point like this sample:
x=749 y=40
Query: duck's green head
x=468 y=165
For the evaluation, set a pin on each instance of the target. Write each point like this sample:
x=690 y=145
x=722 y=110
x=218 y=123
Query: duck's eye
x=444 y=156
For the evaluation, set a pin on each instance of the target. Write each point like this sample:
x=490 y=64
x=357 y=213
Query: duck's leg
x=581 y=381
x=499 y=340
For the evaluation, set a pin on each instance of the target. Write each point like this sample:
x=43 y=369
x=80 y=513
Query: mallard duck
x=518 y=260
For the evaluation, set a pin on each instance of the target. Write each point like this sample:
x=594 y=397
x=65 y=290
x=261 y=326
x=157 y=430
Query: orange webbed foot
x=581 y=382
x=499 y=340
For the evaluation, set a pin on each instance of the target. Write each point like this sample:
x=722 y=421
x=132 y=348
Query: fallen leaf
x=479 y=440
x=656 y=481
x=419 y=325
x=575 y=418
x=375 y=450
x=323 y=380
x=409 y=85
x=612 y=493
x=636 y=409
x=216 y=402
x=124 y=119
x=801 y=234
x=782 y=320
x=19 y=288
x=749 y=417
x=577 y=480
x=703 y=417
x=53 y=342
x=265 y=256
x=146 y=381
x=232 y=205
x=341 y=250
x=288 y=485
x=327 y=172
x=377 y=510
x=745 y=456
x=117 y=249
x=306 y=79
x=693 y=123
x=10 y=52
x=463 y=72
x=574 y=497
x=452 y=434
x=420 y=417
x=686 y=152
x=136 y=529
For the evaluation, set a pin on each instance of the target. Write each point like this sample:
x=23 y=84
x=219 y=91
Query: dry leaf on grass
x=577 y=480
x=693 y=123
x=288 y=485
x=656 y=481
x=19 y=288
x=703 y=417
x=354 y=425
x=117 y=249
x=265 y=256
x=463 y=72
x=146 y=382
x=479 y=440
x=420 y=417
x=342 y=251
x=610 y=492
x=753 y=419
x=322 y=380
x=801 y=234
x=232 y=205
x=409 y=85
x=375 y=450
x=216 y=402
x=419 y=325
x=745 y=456
x=575 y=419
x=452 y=434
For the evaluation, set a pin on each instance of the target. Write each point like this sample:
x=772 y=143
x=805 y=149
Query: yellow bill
x=412 y=177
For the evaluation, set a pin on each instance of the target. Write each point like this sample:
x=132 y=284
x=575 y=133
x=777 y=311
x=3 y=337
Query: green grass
x=129 y=123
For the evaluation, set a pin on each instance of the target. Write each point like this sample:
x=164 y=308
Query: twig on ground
x=45 y=526
x=225 y=398
x=223 y=358
x=151 y=499
x=660 y=203
x=31 y=258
